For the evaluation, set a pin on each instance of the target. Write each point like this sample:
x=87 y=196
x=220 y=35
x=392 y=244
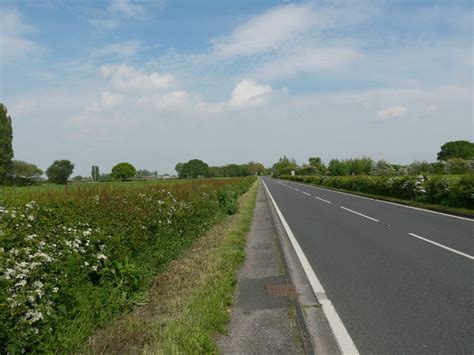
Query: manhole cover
x=280 y=290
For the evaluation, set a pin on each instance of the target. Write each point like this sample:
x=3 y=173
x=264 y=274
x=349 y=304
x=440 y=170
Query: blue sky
x=159 y=82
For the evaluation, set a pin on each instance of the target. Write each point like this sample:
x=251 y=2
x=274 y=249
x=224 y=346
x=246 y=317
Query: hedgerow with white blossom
x=64 y=255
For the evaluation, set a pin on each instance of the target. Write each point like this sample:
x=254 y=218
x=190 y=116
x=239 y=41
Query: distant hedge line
x=446 y=190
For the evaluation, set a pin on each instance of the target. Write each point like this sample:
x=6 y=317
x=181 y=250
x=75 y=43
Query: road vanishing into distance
x=400 y=279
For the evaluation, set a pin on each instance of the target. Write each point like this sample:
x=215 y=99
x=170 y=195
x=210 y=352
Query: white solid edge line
x=388 y=202
x=322 y=199
x=360 y=214
x=344 y=340
x=443 y=246
x=306 y=193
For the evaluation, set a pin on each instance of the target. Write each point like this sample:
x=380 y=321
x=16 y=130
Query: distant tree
x=318 y=164
x=419 y=167
x=60 y=171
x=146 y=172
x=77 y=178
x=179 y=168
x=195 y=168
x=284 y=166
x=6 y=148
x=95 y=174
x=123 y=171
x=307 y=170
x=338 y=167
x=26 y=171
x=382 y=168
x=254 y=168
x=456 y=149
x=460 y=166
x=359 y=166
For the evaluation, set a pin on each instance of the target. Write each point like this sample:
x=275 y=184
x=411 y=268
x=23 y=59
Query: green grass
x=189 y=303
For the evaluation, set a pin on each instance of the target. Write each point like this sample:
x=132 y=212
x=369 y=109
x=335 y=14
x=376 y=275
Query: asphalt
x=264 y=318
x=394 y=293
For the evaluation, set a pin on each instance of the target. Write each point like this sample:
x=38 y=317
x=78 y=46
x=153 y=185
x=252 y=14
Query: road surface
x=400 y=279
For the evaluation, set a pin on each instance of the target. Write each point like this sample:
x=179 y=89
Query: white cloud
x=174 y=99
x=392 y=112
x=110 y=99
x=126 y=78
x=14 y=43
x=121 y=49
x=246 y=94
x=308 y=60
x=126 y=8
x=249 y=93
x=266 y=32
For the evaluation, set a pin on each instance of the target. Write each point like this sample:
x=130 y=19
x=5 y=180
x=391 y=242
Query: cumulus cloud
x=246 y=94
x=249 y=93
x=392 y=112
x=126 y=78
x=14 y=32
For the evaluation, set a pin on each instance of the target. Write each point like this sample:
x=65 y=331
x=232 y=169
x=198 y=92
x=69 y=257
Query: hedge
x=70 y=260
x=445 y=190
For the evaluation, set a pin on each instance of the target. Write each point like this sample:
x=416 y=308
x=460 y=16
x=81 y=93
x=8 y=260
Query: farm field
x=73 y=258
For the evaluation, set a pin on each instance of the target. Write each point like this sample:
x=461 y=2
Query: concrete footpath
x=266 y=317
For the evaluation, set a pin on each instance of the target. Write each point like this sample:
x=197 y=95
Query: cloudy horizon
x=157 y=82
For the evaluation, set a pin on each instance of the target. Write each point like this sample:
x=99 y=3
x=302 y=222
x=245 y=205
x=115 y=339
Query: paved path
x=263 y=319
x=400 y=279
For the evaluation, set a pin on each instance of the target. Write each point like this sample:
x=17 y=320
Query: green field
x=76 y=256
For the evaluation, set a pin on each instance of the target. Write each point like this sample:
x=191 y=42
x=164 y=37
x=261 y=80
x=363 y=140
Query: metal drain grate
x=280 y=290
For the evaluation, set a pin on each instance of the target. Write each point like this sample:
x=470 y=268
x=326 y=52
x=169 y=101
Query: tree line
x=455 y=157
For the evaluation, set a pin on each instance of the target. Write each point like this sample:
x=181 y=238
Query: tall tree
x=95 y=174
x=456 y=149
x=60 y=171
x=6 y=148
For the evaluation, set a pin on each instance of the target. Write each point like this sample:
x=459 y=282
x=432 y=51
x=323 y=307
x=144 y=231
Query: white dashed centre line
x=322 y=199
x=305 y=193
x=443 y=246
x=360 y=214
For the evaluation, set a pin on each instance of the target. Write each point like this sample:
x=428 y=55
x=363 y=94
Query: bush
x=445 y=190
x=71 y=260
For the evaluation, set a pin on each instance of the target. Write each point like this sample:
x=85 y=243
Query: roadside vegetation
x=72 y=259
x=188 y=304
x=447 y=184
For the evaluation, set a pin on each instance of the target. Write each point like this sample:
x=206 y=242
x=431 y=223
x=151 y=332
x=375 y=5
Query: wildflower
x=101 y=257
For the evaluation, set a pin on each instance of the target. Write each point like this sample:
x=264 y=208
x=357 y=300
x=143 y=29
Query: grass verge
x=188 y=304
x=438 y=208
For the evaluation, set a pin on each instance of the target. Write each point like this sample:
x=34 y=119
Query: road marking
x=322 y=199
x=388 y=202
x=305 y=193
x=360 y=214
x=443 y=246
x=296 y=189
x=344 y=341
